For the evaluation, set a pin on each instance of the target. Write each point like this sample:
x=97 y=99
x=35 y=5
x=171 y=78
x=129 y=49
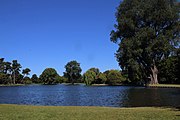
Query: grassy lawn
x=19 y=112
x=165 y=85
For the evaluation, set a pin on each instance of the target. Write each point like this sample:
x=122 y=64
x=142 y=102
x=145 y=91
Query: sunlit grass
x=19 y=112
x=165 y=85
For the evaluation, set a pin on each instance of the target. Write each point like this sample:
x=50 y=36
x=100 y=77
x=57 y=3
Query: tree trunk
x=72 y=81
x=153 y=75
x=14 y=78
x=10 y=78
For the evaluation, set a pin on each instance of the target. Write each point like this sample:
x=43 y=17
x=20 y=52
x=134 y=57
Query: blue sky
x=50 y=33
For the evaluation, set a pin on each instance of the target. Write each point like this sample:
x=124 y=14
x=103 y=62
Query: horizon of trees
x=11 y=73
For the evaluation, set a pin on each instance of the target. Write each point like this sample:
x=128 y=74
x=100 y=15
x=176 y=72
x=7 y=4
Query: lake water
x=80 y=95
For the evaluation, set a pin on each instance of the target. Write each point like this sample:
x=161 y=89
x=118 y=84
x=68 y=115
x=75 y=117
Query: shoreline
x=163 y=86
x=101 y=85
x=11 y=85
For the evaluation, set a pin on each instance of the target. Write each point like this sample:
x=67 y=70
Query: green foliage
x=169 y=70
x=94 y=76
x=147 y=31
x=89 y=77
x=96 y=70
x=49 y=76
x=64 y=79
x=73 y=71
x=4 y=78
x=7 y=68
x=26 y=71
x=19 y=78
x=15 y=70
x=35 y=79
x=27 y=80
x=111 y=77
x=101 y=79
x=61 y=79
x=1 y=65
x=114 y=77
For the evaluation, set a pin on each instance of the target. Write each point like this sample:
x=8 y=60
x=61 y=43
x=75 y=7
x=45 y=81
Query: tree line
x=10 y=73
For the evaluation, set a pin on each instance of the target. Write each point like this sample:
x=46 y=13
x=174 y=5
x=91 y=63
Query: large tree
x=73 y=71
x=147 y=31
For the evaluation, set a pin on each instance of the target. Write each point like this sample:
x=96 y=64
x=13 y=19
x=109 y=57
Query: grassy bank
x=11 y=85
x=165 y=85
x=19 y=112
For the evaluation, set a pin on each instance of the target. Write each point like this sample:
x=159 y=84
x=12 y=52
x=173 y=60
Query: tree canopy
x=26 y=71
x=35 y=78
x=49 y=76
x=147 y=31
x=114 y=77
x=89 y=77
x=73 y=71
x=15 y=69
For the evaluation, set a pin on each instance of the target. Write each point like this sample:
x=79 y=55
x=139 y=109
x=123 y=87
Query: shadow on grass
x=178 y=108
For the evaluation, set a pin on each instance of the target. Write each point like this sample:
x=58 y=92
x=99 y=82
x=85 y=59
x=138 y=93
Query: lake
x=81 y=95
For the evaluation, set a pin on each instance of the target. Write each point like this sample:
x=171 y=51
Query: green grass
x=11 y=85
x=19 y=112
x=165 y=85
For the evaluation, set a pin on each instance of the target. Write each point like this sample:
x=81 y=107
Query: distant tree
x=7 y=68
x=19 y=78
x=73 y=71
x=96 y=70
x=101 y=78
x=27 y=80
x=114 y=77
x=1 y=65
x=89 y=77
x=3 y=78
x=48 y=76
x=64 y=79
x=15 y=70
x=61 y=79
x=35 y=78
x=5 y=71
x=26 y=71
x=147 y=31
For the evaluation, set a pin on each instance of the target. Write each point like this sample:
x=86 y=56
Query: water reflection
x=140 y=97
x=80 y=95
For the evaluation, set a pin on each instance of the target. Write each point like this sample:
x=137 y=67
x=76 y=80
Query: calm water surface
x=80 y=95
